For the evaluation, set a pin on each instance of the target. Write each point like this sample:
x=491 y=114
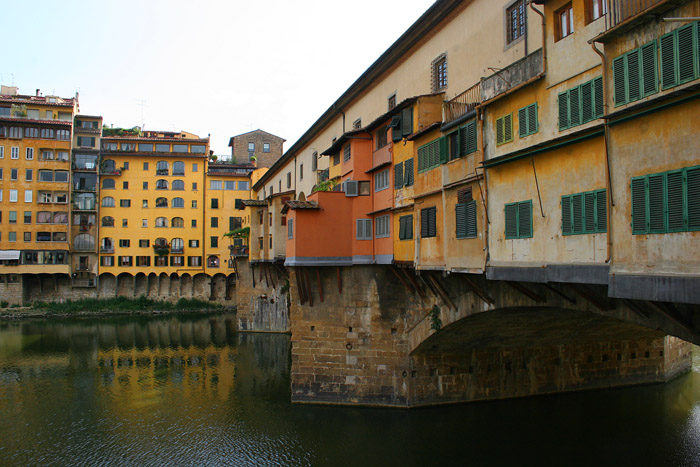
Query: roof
x=416 y=33
x=87 y=116
x=424 y=130
x=230 y=141
x=335 y=147
x=254 y=202
x=31 y=121
x=294 y=205
x=38 y=100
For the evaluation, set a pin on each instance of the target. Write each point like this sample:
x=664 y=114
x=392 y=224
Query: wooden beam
x=401 y=278
x=320 y=285
x=637 y=308
x=340 y=280
x=560 y=293
x=601 y=303
x=300 y=289
x=308 y=287
x=441 y=290
x=430 y=286
x=668 y=310
x=527 y=292
x=252 y=266
x=272 y=276
x=266 y=268
x=485 y=297
x=412 y=279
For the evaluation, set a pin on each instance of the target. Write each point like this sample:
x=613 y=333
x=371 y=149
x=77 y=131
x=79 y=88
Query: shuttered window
x=680 y=55
x=504 y=129
x=429 y=155
x=428 y=226
x=635 y=74
x=408 y=172
x=406 y=227
x=363 y=229
x=467 y=138
x=346 y=153
x=290 y=228
x=527 y=120
x=666 y=202
x=581 y=104
x=584 y=213
x=402 y=124
x=398 y=176
x=519 y=220
x=466 y=219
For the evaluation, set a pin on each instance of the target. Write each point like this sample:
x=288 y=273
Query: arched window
x=161 y=202
x=84 y=242
x=213 y=261
x=177 y=245
x=109 y=166
x=107 y=184
x=161 y=184
x=178 y=168
x=108 y=221
x=107 y=245
x=160 y=242
x=178 y=222
x=178 y=203
x=178 y=185
x=84 y=201
x=107 y=202
x=161 y=222
x=162 y=168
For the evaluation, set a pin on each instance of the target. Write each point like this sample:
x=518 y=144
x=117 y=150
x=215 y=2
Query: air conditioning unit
x=350 y=187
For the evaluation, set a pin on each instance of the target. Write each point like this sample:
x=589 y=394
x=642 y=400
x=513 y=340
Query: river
x=188 y=390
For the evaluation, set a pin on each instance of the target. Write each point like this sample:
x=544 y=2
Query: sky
x=210 y=67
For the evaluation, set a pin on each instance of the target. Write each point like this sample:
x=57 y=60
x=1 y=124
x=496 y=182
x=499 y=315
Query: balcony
x=107 y=249
x=622 y=10
x=110 y=171
x=514 y=75
x=461 y=104
x=84 y=205
x=381 y=156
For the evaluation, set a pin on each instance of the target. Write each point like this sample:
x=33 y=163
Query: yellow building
x=151 y=203
x=35 y=144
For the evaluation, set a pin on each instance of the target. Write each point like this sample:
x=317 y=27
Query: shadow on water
x=188 y=390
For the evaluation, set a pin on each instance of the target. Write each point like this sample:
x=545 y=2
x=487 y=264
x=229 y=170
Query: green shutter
x=443 y=150
x=525 y=219
x=668 y=61
x=396 y=128
x=686 y=54
x=471 y=137
x=563 y=111
x=649 y=75
x=402 y=228
x=589 y=212
x=598 y=98
x=566 y=215
x=619 y=80
x=639 y=206
x=508 y=128
x=656 y=205
x=634 y=88
x=522 y=122
x=574 y=106
x=471 y=219
x=511 y=220
x=461 y=220
x=693 y=198
x=499 y=131
x=398 y=175
x=587 y=107
x=407 y=121
x=408 y=172
x=601 y=201
x=675 y=202
x=577 y=213
x=532 y=121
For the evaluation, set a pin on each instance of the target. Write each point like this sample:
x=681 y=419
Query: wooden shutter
x=402 y=228
x=577 y=213
x=574 y=107
x=587 y=106
x=467 y=138
x=464 y=195
x=649 y=75
x=396 y=128
x=589 y=212
x=471 y=219
x=656 y=203
x=522 y=122
x=601 y=211
x=408 y=172
x=443 y=150
x=598 y=101
x=407 y=121
x=398 y=175
x=512 y=220
x=424 y=223
x=461 y=220
x=639 y=206
x=693 y=198
x=668 y=61
x=525 y=219
x=674 y=199
x=499 y=131
x=532 y=121
x=563 y=111
x=508 y=128
x=634 y=87
x=686 y=54
x=619 y=81
x=566 y=215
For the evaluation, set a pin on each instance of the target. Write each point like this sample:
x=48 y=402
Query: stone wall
x=262 y=303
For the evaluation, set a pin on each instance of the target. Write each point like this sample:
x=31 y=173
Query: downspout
x=608 y=180
x=485 y=193
x=544 y=36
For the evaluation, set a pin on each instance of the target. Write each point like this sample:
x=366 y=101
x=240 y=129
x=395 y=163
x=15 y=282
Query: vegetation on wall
x=135 y=131
x=124 y=304
x=435 y=321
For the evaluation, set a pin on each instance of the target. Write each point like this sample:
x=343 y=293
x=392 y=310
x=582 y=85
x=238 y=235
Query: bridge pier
x=365 y=336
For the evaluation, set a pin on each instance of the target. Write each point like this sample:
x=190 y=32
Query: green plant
x=16 y=305
x=253 y=158
x=243 y=232
x=435 y=321
x=4 y=304
x=323 y=186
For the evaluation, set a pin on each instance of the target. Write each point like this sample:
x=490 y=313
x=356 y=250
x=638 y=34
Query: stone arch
x=174 y=286
x=230 y=287
x=107 y=285
x=140 y=285
x=218 y=287
x=163 y=285
x=301 y=197
x=201 y=286
x=153 y=285
x=186 y=285
x=125 y=285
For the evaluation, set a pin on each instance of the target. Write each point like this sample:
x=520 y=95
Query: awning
x=9 y=254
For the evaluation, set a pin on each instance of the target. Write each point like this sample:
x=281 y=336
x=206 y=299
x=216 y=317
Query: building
x=260 y=147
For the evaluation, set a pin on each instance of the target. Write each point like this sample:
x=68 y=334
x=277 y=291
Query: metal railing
x=621 y=10
x=462 y=103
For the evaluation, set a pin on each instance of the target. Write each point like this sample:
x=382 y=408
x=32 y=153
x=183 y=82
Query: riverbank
x=119 y=306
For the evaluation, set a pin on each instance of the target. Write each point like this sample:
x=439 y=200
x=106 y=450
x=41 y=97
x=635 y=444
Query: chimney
x=37 y=92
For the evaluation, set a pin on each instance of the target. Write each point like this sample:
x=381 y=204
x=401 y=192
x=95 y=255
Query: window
x=177 y=222
x=47 y=155
x=177 y=245
x=162 y=168
x=301 y=171
x=635 y=74
x=679 y=55
x=564 y=21
x=215 y=203
x=61 y=198
x=465 y=218
x=519 y=220
x=584 y=213
x=391 y=101
x=408 y=172
x=145 y=147
x=108 y=221
x=429 y=156
x=125 y=222
x=108 y=202
x=31 y=132
x=357 y=124
x=581 y=104
x=381 y=180
x=144 y=243
x=194 y=204
x=63 y=135
x=124 y=260
x=178 y=168
x=124 y=243
x=125 y=185
x=13 y=217
x=177 y=261
x=161 y=222
x=194 y=261
x=346 y=153
x=14 y=152
x=515 y=21
x=398 y=176
x=381 y=226
x=107 y=183
x=86 y=141
x=527 y=120
x=27 y=217
x=43 y=236
x=336 y=158
x=27 y=236
x=214 y=241
x=161 y=202
x=14 y=174
x=143 y=261
x=28 y=196
x=251 y=147
x=12 y=236
x=289 y=180
x=194 y=243
x=215 y=185
x=195 y=167
x=47 y=133
x=453 y=145
x=406 y=227
x=162 y=148
x=290 y=229
x=380 y=138
x=144 y=186
x=124 y=203
x=13 y=196
x=161 y=184
x=2 y=151
x=504 y=129
x=30 y=154
x=363 y=229
x=314 y=161
x=402 y=124
x=214 y=222
x=266 y=147
x=428 y=225
x=244 y=186
x=439 y=73
x=198 y=149
x=15 y=132
x=666 y=202
x=595 y=9
x=180 y=148
x=178 y=203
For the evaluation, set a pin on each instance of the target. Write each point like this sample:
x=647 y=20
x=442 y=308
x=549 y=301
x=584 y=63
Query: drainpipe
x=608 y=181
x=544 y=36
x=485 y=195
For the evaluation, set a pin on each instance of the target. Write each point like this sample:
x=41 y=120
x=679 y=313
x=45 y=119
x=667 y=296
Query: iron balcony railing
x=462 y=103
x=621 y=10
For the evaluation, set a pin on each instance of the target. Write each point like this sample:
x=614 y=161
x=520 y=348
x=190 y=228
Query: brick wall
x=264 y=159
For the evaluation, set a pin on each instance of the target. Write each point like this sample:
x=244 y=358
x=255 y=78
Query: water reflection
x=187 y=390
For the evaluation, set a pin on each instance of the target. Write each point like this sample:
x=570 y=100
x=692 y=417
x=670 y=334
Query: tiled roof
x=31 y=121
x=299 y=205
x=41 y=100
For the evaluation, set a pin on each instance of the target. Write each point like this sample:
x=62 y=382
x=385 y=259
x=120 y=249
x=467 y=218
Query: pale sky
x=208 y=67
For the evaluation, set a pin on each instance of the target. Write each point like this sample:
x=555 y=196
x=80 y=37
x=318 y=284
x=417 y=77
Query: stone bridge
x=381 y=335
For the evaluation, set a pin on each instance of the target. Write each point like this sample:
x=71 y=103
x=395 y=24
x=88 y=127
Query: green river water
x=187 y=390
